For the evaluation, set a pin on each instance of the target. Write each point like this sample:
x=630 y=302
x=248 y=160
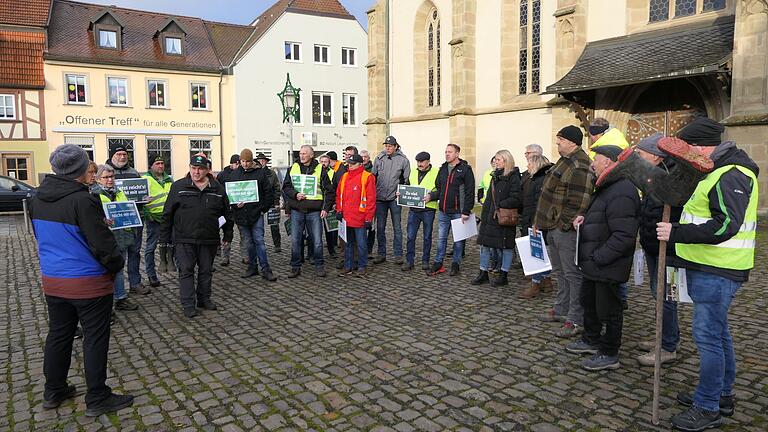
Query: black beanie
x=332 y=155
x=116 y=147
x=702 y=131
x=572 y=134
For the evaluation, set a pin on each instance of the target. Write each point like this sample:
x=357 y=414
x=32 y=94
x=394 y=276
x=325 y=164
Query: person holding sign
x=356 y=205
x=424 y=176
x=78 y=260
x=105 y=178
x=607 y=236
x=496 y=232
x=309 y=194
x=159 y=186
x=249 y=214
x=195 y=205
x=455 y=193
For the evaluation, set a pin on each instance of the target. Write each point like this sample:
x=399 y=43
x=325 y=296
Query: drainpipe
x=386 y=67
x=221 y=121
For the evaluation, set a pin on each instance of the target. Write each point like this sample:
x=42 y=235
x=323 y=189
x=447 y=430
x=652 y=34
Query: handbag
x=505 y=217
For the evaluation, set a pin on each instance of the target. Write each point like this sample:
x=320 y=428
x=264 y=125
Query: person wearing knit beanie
x=702 y=131
x=69 y=160
x=572 y=134
x=246 y=155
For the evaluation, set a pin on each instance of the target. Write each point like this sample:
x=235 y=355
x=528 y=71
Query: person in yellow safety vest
x=335 y=163
x=159 y=186
x=105 y=178
x=601 y=133
x=423 y=175
x=715 y=244
x=485 y=184
x=309 y=194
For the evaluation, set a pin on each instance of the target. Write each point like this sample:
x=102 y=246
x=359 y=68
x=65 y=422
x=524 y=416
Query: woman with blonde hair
x=504 y=193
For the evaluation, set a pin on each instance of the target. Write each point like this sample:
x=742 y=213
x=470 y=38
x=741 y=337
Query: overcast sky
x=231 y=11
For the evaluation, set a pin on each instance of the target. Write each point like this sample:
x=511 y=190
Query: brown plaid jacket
x=566 y=192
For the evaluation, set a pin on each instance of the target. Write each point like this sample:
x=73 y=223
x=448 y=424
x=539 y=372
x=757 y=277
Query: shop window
x=77 y=91
x=7 y=107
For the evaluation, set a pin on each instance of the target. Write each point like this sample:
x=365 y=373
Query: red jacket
x=349 y=197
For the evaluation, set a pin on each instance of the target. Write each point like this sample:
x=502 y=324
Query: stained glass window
x=658 y=10
x=523 y=51
x=712 y=5
x=685 y=8
x=433 y=60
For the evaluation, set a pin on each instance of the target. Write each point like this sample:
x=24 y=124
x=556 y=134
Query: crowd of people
x=588 y=219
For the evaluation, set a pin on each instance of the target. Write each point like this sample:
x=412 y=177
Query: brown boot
x=531 y=291
x=546 y=285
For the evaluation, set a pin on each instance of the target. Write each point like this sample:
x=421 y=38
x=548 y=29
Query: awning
x=688 y=50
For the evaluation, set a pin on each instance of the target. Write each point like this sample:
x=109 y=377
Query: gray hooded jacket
x=390 y=171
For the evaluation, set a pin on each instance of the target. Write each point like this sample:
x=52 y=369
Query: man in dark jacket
x=606 y=248
x=715 y=245
x=226 y=174
x=249 y=217
x=192 y=212
x=308 y=205
x=651 y=212
x=274 y=182
x=455 y=194
x=78 y=262
x=118 y=159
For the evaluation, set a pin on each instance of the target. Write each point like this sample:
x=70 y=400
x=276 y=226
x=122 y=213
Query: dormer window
x=107 y=30
x=173 y=45
x=108 y=39
x=171 y=36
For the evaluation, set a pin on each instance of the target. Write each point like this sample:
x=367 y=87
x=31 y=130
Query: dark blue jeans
x=134 y=257
x=356 y=239
x=383 y=208
x=427 y=219
x=153 y=236
x=712 y=296
x=253 y=236
x=443 y=226
x=314 y=225
x=670 y=331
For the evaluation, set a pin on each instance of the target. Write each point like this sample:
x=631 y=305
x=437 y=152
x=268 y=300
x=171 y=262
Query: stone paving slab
x=393 y=352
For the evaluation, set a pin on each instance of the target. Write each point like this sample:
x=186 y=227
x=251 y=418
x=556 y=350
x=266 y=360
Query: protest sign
x=537 y=244
x=273 y=216
x=331 y=223
x=241 y=192
x=462 y=229
x=411 y=196
x=306 y=184
x=135 y=189
x=124 y=214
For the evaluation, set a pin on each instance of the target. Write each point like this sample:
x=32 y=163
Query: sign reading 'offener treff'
x=112 y=121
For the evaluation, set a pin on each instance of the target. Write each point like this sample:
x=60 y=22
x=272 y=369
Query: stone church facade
x=496 y=74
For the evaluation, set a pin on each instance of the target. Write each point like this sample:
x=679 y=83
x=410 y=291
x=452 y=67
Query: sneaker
x=695 y=419
x=320 y=272
x=551 y=316
x=379 y=259
x=568 y=329
x=207 y=305
x=125 y=305
x=727 y=403
x=113 y=403
x=295 y=272
x=407 y=267
x=269 y=276
x=436 y=269
x=345 y=272
x=361 y=273
x=454 y=269
x=190 y=312
x=647 y=345
x=580 y=347
x=398 y=260
x=425 y=266
x=58 y=399
x=600 y=362
x=140 y=290
x=649 y=358
x=154 y=283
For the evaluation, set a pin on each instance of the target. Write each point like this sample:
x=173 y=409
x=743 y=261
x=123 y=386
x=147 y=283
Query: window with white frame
x=159 y=147
x=199 y=96
x=349 y=109
x=158 y=98
x=200 y=145
x=662 y=10
x=77 y=92
x=108 y=39
x=293 y=51
x=7 y=107
x=322 y=108
x=85 y=142
x=321 y=54
x=172 y=45
x=118 y=91
x=349 y=56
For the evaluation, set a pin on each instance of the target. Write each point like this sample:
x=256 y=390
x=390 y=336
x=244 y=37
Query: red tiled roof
x=32 y=13
x=325 y=7
x=70 y=40
x=21 y=59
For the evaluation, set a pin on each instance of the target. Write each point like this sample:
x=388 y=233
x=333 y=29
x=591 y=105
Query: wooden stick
x=661 y=272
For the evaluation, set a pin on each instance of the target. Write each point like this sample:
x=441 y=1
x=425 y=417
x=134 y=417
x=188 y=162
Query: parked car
x=12 y=193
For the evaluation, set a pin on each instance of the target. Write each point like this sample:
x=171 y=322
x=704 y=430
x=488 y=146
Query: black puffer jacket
x=192 y=215
x=531 y=191
x=607 y=239
x=504 y=193
x=251 y=212
x=455 y=188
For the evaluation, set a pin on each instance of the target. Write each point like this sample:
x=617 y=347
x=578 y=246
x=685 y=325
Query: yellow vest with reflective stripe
x=485 y=185
x=318 y=196
x=427 y=182
x=159 y=192
x=119 y=196
x=737 y=253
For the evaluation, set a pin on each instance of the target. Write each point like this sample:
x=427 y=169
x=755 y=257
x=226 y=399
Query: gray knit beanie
x=69 y=161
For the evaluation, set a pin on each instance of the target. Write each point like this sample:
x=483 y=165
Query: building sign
x=84 y=123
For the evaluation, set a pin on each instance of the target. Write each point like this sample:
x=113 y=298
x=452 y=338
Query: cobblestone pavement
x=396 y=351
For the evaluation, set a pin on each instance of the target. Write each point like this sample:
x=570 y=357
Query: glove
x=339 y=216
x=368 y=224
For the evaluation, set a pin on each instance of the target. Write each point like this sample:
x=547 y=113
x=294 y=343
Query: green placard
x=411 y=196
x=306 y=184
x=243 y=191
x=331 y=223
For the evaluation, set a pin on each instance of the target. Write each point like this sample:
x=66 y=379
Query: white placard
x=532 y=265
x=343 y=230
x=462 y=229
x=677 y=285
x=638 y=265
x=222 y=221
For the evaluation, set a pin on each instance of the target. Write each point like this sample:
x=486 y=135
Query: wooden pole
x=661 y=270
